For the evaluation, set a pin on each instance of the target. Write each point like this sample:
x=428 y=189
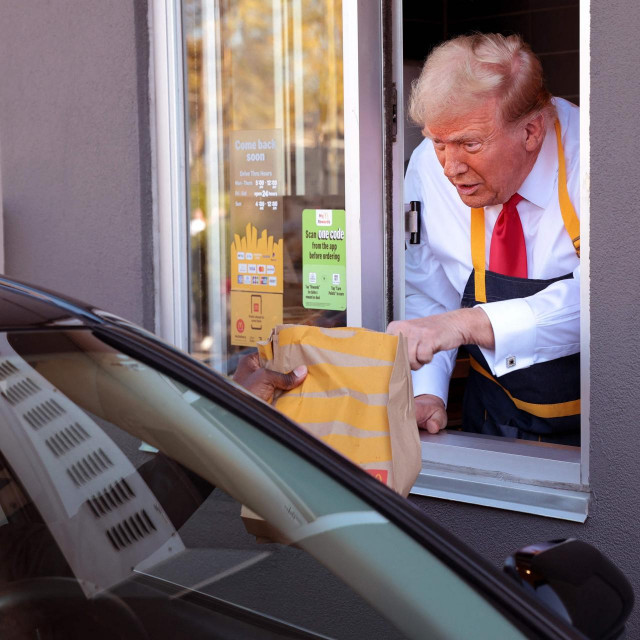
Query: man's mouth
x=467 y=189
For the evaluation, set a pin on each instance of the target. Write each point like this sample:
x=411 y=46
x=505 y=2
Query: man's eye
x=439 y=146
x=472 y=146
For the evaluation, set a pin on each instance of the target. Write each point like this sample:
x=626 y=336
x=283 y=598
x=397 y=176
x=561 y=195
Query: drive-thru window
x=282 y=145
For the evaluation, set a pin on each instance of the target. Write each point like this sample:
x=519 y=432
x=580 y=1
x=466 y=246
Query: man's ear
x=535 y=131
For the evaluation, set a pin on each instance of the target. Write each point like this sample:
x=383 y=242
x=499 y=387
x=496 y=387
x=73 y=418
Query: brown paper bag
x=357 y=396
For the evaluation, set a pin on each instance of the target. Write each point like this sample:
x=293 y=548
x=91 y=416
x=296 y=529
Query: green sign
x=324 y=263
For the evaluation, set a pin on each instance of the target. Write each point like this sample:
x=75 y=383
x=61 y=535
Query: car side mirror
x=578 y=582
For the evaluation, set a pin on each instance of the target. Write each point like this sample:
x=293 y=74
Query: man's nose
x=453 y=165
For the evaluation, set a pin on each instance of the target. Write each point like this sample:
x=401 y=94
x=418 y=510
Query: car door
x=133 y=462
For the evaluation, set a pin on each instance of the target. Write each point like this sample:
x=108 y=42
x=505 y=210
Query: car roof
x=26 y=307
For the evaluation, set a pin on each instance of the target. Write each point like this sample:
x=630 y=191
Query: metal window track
x=503 y=473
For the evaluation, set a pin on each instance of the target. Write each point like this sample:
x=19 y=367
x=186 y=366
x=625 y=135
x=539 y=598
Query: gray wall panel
x=615 y=322
x=74 y=145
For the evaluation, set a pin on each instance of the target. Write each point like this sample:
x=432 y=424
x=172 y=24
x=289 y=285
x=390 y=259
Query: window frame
x=169 y=155
x=502 y=478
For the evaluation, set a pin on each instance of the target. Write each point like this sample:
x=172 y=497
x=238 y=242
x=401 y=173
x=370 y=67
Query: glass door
x=266 y=170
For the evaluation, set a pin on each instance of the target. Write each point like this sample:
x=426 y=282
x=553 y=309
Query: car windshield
x=122 y=487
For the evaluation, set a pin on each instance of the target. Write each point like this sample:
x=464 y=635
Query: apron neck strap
x=569 y=217
x=478 y=253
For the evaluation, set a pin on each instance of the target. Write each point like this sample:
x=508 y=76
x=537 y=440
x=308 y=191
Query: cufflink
x=511 y=361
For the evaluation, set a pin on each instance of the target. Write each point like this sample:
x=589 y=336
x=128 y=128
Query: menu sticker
x=253 y=315
x=256 y=262
x=324 y=263
x=256 y=251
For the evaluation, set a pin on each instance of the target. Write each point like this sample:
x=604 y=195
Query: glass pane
x=266 y=144
x=120 y=494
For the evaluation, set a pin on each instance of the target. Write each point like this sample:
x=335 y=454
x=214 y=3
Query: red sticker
x=379 y=474
x=240 y=325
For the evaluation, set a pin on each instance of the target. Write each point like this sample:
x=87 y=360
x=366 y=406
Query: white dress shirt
x=535 y=329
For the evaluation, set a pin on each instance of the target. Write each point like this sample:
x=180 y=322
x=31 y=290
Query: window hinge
x=412 y=221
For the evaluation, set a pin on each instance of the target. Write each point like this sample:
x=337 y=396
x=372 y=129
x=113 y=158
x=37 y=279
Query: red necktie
x=508 y=252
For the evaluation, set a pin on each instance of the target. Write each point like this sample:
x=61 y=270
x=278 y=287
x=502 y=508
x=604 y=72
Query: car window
x=128 y=484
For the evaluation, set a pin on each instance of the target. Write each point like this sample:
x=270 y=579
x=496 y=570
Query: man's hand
x=430 y=413
x=427 y=336
x=263 y=382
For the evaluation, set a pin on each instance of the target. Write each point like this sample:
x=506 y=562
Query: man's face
x=484 y=159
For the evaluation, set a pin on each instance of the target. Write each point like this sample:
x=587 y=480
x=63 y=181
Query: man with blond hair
x=497 y=266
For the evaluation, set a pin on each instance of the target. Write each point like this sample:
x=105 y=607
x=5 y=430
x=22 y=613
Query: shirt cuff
x=433 y=377
x=514 y=330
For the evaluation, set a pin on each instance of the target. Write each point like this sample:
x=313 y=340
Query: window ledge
x=503 y=473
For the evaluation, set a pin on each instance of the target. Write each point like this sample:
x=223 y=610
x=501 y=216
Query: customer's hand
x=263 y=382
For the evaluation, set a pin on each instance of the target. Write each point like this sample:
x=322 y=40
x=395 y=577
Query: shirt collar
x=539 y=186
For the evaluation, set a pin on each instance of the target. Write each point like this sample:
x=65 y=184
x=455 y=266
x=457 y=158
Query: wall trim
x=585 y=238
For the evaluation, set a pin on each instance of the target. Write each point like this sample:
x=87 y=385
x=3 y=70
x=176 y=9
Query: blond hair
x=462 y=73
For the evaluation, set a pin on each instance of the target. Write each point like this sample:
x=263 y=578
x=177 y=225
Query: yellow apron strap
x=478 y=254
x=556 y=410
x=569 y=216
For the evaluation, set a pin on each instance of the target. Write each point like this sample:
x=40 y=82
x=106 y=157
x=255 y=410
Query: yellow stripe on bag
x=265 y=349
x=342 y=409
x=326 y=377
x=554 y=410
x=360 y=450
x=374 y=345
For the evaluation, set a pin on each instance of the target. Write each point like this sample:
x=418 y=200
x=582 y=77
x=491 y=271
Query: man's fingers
x=411 y=351
x=437 y=422
x=431 y=414
x=433 y=426
x=424 y=353
x=246 y=366
x=253 y=361
x=286 y=381
x=434 y=422
x=394 y=328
